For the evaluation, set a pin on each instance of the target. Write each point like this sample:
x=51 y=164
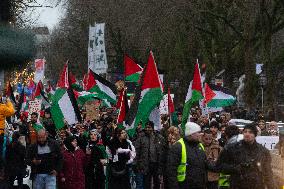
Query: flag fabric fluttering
x=122 y=106
x=194 y=94
x=64 y=105
x=104 y=89
x=84 y=96
x=132 y=70
x=147 y=96
x=208 y=94
x=217 y=96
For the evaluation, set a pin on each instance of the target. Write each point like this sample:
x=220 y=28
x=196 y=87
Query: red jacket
x=73 y=170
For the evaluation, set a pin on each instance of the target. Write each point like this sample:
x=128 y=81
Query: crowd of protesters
x=210 y=153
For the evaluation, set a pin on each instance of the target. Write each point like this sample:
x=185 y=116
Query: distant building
x=42 y=37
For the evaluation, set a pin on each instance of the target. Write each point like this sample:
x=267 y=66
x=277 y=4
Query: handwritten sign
x=34 y=106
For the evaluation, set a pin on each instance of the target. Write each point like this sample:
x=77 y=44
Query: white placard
x=268 y=142
x=155 y=116
x=97 y=60
x=34 y=106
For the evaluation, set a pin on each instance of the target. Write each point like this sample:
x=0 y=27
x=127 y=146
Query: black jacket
x=54 y=162
x=15 y=158
x=142 y=145
x=248 y=165
x=196 y=169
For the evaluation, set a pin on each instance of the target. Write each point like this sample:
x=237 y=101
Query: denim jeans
x=139 y=181
x=44 y=181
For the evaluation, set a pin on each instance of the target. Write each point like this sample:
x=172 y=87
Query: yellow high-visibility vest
x=224 y=180
x=181 y=171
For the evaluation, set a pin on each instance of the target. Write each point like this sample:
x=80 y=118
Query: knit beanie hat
x=191 y=128
x=95 y=131
x=252 y=127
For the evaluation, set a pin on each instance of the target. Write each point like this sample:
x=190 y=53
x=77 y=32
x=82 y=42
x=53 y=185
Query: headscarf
x=68 y=143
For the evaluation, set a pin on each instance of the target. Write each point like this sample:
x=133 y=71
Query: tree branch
x=226 y=22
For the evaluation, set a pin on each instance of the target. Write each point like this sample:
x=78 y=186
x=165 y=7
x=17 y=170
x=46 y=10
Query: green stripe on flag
x=196 y=96
x=55 y=110
x=102 y=94
x=134 y=77
x=148 y=102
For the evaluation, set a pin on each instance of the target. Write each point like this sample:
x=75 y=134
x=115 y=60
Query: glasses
x=123 y=132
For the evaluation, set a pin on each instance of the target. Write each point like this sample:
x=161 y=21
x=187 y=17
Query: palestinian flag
x=64 y=105
x=104 y=89
x=217 y=96
x=122 y=106
x=74 y=83
x=194 y=94
x=132 y=70
x=84 y=96
x=147 y=97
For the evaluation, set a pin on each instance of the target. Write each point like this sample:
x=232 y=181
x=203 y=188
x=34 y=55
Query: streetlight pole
x=262 y=98
x=262 y=80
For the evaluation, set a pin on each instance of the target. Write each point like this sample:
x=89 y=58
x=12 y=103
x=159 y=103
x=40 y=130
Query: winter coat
x=54 y=163
x=15 y=158
x=212 y=153
x=248 y=164
x=196 y=169
x=74 y=164
x=142 y=145
x=95 y=169
x=6 y=110
x=120 y=155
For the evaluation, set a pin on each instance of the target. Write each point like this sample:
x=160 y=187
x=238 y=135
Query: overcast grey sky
x=47 y=16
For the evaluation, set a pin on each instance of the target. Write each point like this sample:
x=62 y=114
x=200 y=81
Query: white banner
x=39 y=70
x=97 y=60
x=268 y=142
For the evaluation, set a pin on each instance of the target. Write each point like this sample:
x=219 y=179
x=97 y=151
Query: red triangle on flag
x=72 y=78
x=63 y=79
x=151 y=77
x=130 y=66
x=91 y=81
x=209 y=94
x=171 y=107
x=196 y=83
